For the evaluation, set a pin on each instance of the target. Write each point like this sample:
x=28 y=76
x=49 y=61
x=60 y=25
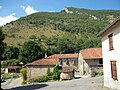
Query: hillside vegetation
x=67 y=31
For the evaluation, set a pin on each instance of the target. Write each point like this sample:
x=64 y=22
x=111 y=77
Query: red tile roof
x=92 y=53
x=63 y=56
x=13 y=67
x=67 y=69
x=43 y=62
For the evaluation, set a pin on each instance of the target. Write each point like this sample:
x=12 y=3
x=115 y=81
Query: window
x=100 y=61
x=111 y=41
x=113 y=70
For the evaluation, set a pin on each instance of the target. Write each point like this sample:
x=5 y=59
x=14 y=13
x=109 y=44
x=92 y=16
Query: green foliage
x=12 y=62
x=30 y=51
x=2 y=44
x=6 y=76
x=11 y=52
x=40 y=79
x=48 y=72
x=62 y=32
x=56 y=73
x=32 y=37
x=99 y=73
x=23 y=71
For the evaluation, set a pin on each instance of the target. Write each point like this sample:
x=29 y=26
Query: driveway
x=85 y=83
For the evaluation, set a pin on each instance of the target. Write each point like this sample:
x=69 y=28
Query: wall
x=111 y=55
x=80 y=64
x=34 y=71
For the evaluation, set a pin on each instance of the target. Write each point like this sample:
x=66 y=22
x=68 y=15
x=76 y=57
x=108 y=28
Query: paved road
x=11 y=83
x=76 y=84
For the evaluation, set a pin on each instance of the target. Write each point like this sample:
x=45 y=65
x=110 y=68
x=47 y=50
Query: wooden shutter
x=114 y=70
x=67 y=62
x=111 y=41
x=73 y=62
x=61 y=63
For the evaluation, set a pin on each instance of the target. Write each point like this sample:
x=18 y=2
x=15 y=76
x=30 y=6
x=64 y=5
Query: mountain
x=75 y=27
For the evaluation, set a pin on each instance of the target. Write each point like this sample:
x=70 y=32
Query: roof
x=109 y=26
x=67 y=69
x=63 y=56
x=43 y=62
x=92 y=53
x=13 y=67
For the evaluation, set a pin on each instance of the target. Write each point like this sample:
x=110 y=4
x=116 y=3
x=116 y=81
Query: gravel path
x=85 y=83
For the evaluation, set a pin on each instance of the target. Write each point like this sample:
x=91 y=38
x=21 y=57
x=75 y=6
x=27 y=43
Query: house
x=40 y=67
x=111 y=54
x=67 y=73
x=66 y=59
x=12 y=69
x=90 y=61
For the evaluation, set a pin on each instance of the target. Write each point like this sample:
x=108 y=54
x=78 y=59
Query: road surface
x=85 y=83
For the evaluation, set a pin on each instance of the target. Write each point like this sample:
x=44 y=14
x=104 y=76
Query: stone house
x=90 y=61
x=66 y=59
x=111 y=54
x=40 y=67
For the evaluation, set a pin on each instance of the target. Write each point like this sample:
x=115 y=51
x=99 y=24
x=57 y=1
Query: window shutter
x=67 y=62
x=114 y=70
x=110 y=41
x=73 y=62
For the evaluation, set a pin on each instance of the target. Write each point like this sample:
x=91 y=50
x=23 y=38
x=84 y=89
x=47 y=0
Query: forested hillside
x=67 y=31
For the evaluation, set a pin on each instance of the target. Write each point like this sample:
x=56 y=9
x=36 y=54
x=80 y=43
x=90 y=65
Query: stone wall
x=34 y=71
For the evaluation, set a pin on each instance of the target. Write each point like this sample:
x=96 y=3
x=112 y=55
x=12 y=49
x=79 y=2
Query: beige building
x=40 y=67
x=111 y=54
x=90 y=61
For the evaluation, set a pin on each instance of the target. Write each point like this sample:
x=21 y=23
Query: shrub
x=40 y=79
x=100 y=73
x=56 y=73
x=48 y=72
x=24 y=73
x=6 y=76
x=24 y=82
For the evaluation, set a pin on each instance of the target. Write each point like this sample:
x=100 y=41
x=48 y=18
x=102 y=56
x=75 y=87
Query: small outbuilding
x=12 y=69
x=40 y=67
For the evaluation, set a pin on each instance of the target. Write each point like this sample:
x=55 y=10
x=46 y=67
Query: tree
x=30 y=51
x=11 y=52
x=2 y=44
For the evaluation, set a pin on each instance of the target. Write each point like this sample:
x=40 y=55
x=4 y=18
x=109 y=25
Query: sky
x=11 y=10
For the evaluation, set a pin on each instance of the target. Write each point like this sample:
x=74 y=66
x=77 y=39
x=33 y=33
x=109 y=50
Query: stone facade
x=34 y=71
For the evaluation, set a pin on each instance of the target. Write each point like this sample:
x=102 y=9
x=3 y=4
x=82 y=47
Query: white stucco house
x=111 y=54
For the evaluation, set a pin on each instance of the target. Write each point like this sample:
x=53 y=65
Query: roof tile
x=92 y=53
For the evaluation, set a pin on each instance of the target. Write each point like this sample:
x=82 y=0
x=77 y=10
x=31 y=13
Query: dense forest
x=67 y=31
